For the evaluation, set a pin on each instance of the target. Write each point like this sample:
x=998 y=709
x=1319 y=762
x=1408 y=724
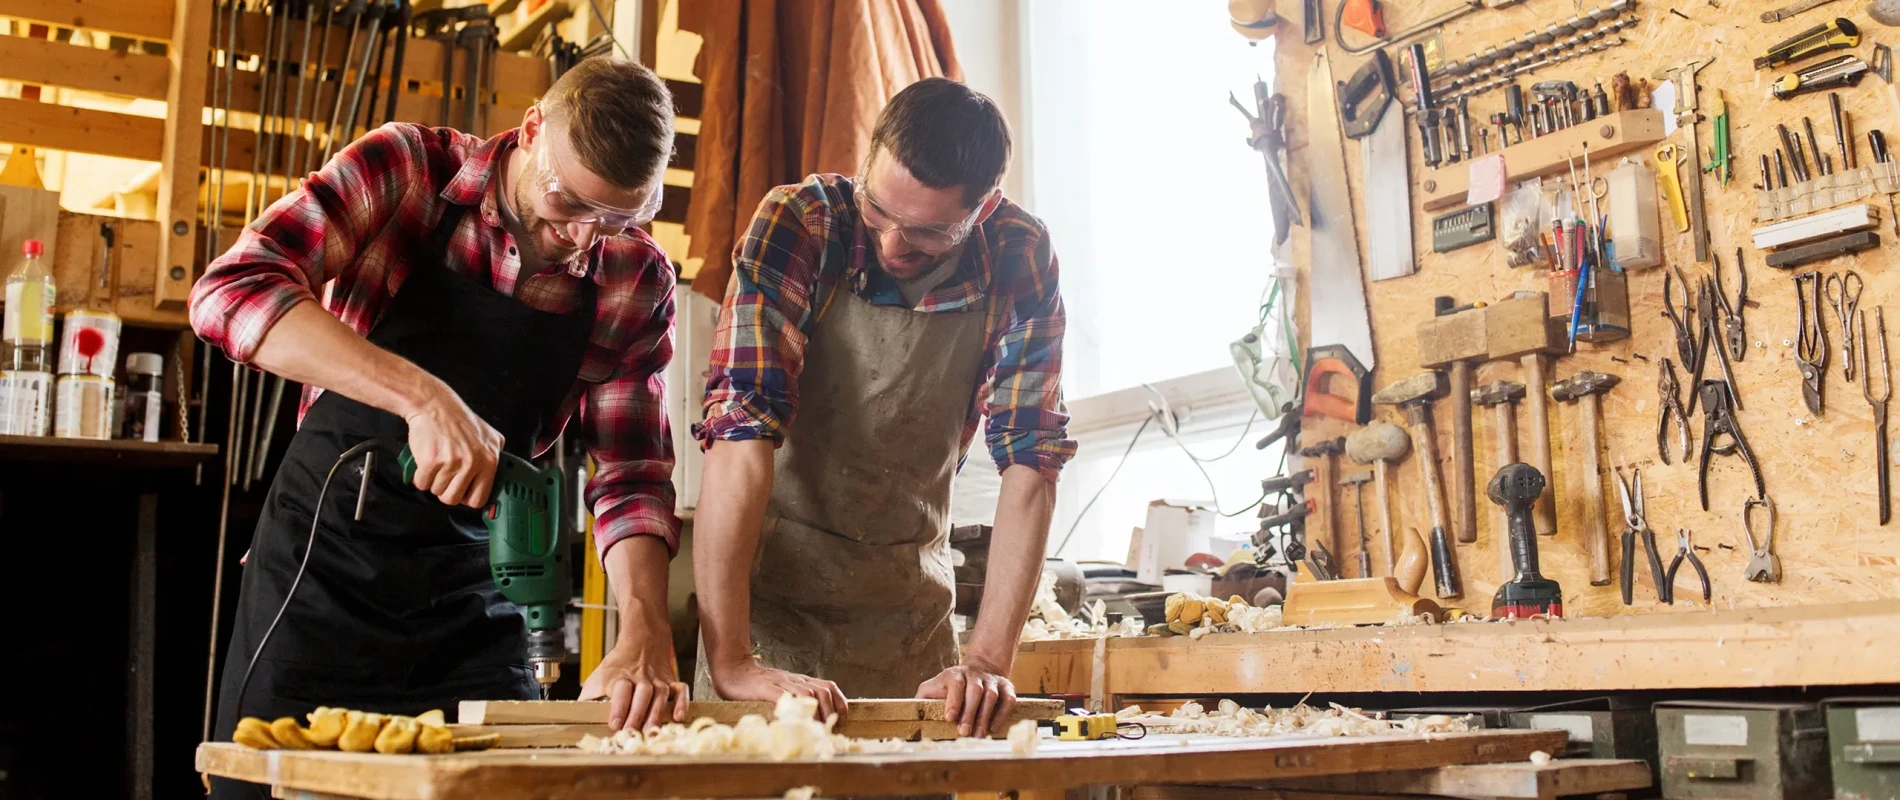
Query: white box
x=1175 y=530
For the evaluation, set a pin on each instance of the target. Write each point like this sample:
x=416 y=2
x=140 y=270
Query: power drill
x=524 y=554
x=1516 y=487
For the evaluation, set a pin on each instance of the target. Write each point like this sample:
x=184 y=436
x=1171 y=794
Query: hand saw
x=1337 y=299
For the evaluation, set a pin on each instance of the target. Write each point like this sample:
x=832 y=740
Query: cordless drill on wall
x=524 y=554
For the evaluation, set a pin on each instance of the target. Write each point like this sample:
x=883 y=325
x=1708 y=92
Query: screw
x=180 y=228
x=1606 y=131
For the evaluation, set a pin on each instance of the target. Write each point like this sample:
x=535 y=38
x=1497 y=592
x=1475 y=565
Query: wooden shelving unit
x=117 y=452
x=1839 y=644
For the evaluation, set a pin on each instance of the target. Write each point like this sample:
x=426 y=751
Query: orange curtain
x=793 y=87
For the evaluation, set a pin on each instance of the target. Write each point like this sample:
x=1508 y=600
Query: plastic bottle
x=26 y=378
x=144 y=397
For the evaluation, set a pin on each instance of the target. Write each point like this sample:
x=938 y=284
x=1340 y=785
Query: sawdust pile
x=1230 y=719
x=1049 y=621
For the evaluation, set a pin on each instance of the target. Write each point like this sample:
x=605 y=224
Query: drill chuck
x=547 y=648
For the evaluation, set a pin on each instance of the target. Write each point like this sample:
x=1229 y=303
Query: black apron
x=397 y=613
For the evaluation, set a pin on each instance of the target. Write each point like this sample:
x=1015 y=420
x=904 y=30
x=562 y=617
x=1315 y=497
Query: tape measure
x=1092 y=727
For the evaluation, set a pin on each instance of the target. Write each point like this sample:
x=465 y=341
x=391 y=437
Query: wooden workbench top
x=1158 y=759
x=1825 y=645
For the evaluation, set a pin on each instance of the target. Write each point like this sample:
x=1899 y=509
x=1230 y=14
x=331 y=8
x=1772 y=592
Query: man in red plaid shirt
x=870 y=323
x=486 y=294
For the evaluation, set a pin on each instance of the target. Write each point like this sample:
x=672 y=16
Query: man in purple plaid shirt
x=486 y=296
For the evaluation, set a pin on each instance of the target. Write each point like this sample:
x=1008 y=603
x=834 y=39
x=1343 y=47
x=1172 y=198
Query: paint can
x=89 y=345
x=84 y=408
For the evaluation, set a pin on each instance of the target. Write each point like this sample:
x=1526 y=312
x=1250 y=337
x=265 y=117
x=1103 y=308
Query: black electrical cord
x=1098 y=492
x=310 y=543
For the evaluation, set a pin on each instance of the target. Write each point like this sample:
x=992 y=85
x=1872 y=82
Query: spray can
x=144 y=397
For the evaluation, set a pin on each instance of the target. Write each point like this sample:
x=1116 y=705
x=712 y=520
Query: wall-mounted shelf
x=1550 y=154
x=117 y=452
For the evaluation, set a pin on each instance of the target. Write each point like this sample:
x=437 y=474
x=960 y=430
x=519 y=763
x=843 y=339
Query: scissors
x=1843 y=293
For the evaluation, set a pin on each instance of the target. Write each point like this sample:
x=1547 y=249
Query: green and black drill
x=525 y=555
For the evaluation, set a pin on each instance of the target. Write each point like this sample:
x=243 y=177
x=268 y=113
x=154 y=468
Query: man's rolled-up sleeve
x=624 y=425
x=1027 y=423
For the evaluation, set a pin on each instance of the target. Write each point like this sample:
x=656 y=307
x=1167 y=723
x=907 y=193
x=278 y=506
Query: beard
x=912 y=265
x=541 y=235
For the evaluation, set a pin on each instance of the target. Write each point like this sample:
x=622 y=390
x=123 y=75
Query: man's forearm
x=309 y=346
x=733 y=492
x=637 y=570
x=1017 y=545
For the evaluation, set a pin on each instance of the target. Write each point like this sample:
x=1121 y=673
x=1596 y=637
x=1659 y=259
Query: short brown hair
x=946 y=134
x=619 y=116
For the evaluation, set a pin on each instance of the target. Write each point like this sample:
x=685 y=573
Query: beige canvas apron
x=853 y=578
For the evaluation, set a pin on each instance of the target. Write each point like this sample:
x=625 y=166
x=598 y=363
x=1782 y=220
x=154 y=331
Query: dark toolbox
x=1863 y=735
x=1742 y=751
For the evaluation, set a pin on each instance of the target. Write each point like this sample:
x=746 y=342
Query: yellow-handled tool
x=1668 y=163
x=1093 y=727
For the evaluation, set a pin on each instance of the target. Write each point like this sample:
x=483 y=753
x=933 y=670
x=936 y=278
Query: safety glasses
x=567 y=206
x=934 y=237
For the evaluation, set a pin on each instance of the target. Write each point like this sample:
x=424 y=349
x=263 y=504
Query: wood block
x=1518 y=325
x=567 y=735
x=1520 y=780
x=514 y=712
x=1550 y=154
x=1352 y=601
x=27 y=214
x=1453 y=337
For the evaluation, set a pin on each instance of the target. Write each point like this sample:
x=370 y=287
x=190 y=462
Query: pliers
x=1683 y=321
x=1718 y=419
x=1763 y=566
x=1669 y=391
x=1810 y=340
x=1705 y=295
x=1732 y=323
x=1684 y=550
x=1635 y=523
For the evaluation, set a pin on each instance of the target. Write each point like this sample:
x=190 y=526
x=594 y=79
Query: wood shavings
x=791 y=734
x=1540 y=758
x=801 y=793
x=1049 y=621
x=1023 y=737
x=1231 y=719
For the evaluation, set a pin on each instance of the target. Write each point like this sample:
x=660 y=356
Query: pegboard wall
x=1819 y=470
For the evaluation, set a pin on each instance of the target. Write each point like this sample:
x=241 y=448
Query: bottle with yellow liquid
x=26 y=373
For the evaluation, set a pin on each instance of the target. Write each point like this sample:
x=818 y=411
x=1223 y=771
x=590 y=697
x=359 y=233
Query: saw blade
x=1337 y=297
x=1388 y=198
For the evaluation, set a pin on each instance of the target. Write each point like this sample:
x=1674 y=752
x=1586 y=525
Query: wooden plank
x=81 y=130
x=145 y=19
x=28 y=214
x=117 y=452
x=1520 y=780
x=516 y=712
x=1608 y=136
x=566 y=735
x=184 y=135
x=689 y=97
x=1742 y=648
x=516 y=774
x=88 y=68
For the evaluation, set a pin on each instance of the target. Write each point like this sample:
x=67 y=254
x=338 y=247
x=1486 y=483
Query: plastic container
x=84 y=408
x=1635 y=227
x=26 y=403
x=89 y=344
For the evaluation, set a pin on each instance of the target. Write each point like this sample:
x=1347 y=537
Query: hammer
x=1519 y=327
x=1501 y=397
x=1583 y=388
x=1358 y=480
x=1328 y=478
x=1380 y=444
x=1414 y=396
x=1452 y=340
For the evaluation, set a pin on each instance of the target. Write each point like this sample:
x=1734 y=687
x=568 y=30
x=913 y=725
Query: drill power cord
x=369 y=455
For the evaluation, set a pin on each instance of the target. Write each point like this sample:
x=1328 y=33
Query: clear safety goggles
x=566 y=206
x=934 y=236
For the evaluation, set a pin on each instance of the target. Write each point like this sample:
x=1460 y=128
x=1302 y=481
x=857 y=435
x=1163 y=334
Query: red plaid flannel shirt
x=352 y=222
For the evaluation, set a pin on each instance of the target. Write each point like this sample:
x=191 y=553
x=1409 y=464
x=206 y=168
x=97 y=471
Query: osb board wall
x=1820 y=472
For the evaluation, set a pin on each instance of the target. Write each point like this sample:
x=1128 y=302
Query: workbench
x=1839 y=644
x=1158 y=759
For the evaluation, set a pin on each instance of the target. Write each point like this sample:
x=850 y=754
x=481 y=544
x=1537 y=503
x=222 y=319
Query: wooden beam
x=1743 y=648
x=514 y=712
x=81 y=130
x=523 y=774
x=145 y=19
x=184 y=136
x=1521 y=780
x=89 y=68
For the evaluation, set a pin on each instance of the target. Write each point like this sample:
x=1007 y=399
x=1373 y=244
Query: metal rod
x=257 y=134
